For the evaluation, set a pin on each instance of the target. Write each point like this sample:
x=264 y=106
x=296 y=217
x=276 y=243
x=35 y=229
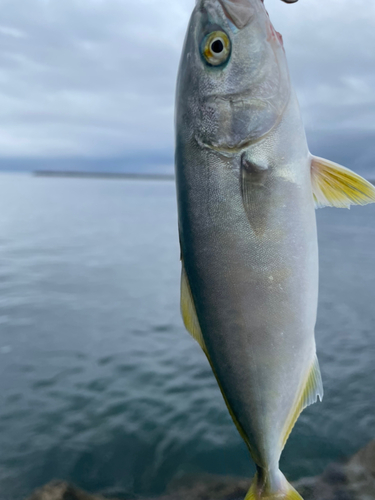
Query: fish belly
x=253 y=275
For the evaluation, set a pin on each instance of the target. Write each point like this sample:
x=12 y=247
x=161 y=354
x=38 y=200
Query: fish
x=247 y=189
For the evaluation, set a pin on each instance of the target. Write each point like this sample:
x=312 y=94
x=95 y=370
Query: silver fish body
x=254 y=278
x=247 y=226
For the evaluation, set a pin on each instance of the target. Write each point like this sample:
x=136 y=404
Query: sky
x=89 y=84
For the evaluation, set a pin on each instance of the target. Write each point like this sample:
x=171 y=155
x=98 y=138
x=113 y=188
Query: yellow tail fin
x=271 y=486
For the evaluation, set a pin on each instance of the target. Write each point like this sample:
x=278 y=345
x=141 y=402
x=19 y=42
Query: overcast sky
x=96 y=78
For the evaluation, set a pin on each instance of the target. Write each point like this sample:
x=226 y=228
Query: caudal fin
x=271 y=486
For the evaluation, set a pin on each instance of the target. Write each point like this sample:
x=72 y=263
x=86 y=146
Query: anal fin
x=337 y=186
x=311 y=391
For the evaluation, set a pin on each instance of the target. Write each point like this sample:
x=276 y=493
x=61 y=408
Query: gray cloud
x=87 y=78
x=96 y=78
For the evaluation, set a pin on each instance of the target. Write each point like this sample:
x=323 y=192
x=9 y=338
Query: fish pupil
x=217 y=46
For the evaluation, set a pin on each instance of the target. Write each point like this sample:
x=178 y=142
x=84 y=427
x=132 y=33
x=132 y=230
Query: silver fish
x=247 y=190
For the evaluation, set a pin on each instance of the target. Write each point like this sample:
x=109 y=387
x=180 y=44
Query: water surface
x=101 y=385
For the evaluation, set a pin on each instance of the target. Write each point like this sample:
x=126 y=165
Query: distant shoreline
x=112 y=175
x=103 y=175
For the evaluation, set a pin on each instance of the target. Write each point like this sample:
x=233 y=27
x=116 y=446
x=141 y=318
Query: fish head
x=233 y=83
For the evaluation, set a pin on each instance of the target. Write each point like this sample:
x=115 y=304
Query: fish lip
x=239 y=12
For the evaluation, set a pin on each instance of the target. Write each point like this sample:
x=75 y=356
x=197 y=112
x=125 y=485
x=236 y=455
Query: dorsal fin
x=188 y=311
x=191 y=323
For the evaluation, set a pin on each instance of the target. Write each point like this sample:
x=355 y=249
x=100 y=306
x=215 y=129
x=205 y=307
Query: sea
x=101 y=386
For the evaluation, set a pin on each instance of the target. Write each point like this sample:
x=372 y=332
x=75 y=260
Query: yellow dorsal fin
x=312 y=389
x=188 y=312
x=337 y=186
x=191 y=323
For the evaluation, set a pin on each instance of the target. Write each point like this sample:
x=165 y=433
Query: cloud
x=333 y=62
x=96 y=78
x=88 y=78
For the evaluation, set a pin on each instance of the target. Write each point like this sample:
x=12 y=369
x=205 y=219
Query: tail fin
x=271 y=485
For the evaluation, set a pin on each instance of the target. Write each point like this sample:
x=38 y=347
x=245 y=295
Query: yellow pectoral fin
x=337 y=186
x=188 y=311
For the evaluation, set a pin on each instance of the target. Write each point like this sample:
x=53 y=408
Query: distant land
x=105 y=175
x=111 y=175
x=142 y=164
x=354 y=149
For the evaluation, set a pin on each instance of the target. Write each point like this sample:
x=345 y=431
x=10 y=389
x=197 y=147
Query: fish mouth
x=239 y=12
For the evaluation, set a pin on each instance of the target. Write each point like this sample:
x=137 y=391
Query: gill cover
x=232 y=97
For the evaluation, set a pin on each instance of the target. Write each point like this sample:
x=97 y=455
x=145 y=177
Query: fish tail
x=271 y=485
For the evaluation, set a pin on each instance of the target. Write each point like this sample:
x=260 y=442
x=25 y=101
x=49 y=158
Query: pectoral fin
x=254 y=191
x=337 y=186
x=188 y=311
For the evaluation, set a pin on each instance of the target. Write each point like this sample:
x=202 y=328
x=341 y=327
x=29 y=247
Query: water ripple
x=101 y=385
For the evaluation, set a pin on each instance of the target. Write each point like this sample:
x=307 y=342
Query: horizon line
x=114 y=175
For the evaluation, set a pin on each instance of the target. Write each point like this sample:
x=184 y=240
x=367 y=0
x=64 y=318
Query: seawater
x=100 y=384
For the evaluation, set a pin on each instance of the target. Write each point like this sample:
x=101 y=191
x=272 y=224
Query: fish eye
x=216 y=48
